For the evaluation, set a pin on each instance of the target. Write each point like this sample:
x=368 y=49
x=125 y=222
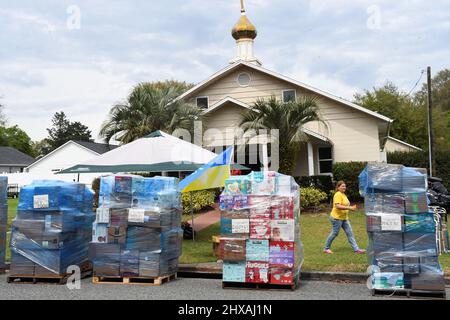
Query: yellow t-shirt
x=340 y=198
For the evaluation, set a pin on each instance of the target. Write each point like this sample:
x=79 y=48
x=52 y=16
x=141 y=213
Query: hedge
x=312 y=197
x=349 y=172
x=201 y=200
x=322 y=183
x=419 y=159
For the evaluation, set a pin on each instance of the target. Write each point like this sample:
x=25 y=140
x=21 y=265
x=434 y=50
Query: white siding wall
x=354 y=134
x=71 y=155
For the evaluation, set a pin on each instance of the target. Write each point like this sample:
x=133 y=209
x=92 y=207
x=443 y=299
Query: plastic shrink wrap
x=260 y=229
x=402 y=248
x=52 y=229
x=137 y=231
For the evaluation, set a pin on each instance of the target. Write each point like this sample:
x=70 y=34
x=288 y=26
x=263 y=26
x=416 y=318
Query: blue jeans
x=337 y=225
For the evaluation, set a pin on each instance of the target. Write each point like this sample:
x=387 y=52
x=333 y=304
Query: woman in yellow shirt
x=339 y=219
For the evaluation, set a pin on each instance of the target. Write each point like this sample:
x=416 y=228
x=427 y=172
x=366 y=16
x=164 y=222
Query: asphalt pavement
x=183 y=289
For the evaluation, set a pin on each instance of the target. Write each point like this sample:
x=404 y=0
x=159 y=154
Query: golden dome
x=244 y=29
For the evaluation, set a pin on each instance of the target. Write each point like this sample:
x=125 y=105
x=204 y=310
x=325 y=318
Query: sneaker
x=328 y=251
x=360 y=251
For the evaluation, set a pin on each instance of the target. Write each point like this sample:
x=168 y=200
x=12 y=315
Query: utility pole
x=430 y=125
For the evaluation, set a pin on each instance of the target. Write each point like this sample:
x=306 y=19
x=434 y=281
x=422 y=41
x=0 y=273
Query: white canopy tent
x=157 y=152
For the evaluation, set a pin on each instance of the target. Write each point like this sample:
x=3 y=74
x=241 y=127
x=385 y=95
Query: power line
x=417 y=83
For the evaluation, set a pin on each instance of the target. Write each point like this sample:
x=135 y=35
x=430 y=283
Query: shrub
x=311 y=197
x=349 y=172
x=200 y=200
x=419 y=159
x=322 y=183
x=96 y=188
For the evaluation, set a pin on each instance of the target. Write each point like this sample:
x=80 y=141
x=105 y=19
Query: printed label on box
x=282 y=254
x=283 y=230
x=136 y=215
x=103 y=215
x=99 y=233
x=257 y=272
x=257 y=250
x=41 y=202
x=234 y=272
x=260 y=229
x=233 y=203
x=240 y=226
x=391 y=222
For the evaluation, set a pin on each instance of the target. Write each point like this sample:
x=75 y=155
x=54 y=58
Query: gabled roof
x=220 y=103
x=94 y=148
x=236 y=65
x=11 y=157
x=404 y=143
x=99 y=148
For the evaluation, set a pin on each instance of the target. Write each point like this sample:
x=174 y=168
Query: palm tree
x=289 y=118
x=150 y=107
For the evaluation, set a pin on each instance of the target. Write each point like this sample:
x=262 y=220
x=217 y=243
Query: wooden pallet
x=259 y=286
x=45 y=279
x=143 y=281
x=409 y=293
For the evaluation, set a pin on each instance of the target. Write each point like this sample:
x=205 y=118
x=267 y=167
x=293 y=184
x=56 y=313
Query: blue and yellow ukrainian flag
x=211 y=175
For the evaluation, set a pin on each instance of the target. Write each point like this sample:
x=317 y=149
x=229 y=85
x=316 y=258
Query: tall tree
x=150 y=107
x=16 y=138
x=289 y=118
x=63 y=131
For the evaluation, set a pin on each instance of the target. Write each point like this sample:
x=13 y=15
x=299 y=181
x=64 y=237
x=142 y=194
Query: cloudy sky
x=51 y=61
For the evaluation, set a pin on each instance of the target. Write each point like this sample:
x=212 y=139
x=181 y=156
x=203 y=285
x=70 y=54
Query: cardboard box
x=423 y=243
x=257 y=250
x=143 y=239
x=119 y=218
x=416 y=203
x=388 y=280
x=105 y=258
x=146 y=218
x=237 y=185
x=428 y=282
x=234 y=272
x=282 y=254
x=281 y=276
x=282 y=208
x=20 y=265
x=257 y=272
x=32 y=229
x=44 y=272
x=149 y=264
x=129 y=263
x=99 y=233
x=103 y=215
x=383 y=242
x=234 y=249
x=261 y=212
x=264 y=183
x=420 y=223
x=117 y=235
x=234 y=226
x=283 y=230
x=390 y=264
x=411 y=265
x=260 y=229
x=57 y=240
x=229 y=203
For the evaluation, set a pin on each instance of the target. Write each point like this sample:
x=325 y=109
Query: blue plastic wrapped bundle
x=52 y=229
x=3 y=218
x=402 y=234
x=140 y=218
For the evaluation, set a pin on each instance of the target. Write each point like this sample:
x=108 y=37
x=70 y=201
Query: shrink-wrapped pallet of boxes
x=137 y=235
x=3 y=220
x=51 y=232
x=402 y=231
x=260 y=231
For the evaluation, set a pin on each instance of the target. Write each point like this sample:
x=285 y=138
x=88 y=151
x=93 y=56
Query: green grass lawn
x=314 y=232
x=315 y=229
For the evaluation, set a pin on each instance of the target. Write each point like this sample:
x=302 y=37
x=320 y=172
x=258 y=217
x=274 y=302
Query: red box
x=282 y=208
x=257 y=272
x=260 y=213
x=281 y=276
x=260 y=229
